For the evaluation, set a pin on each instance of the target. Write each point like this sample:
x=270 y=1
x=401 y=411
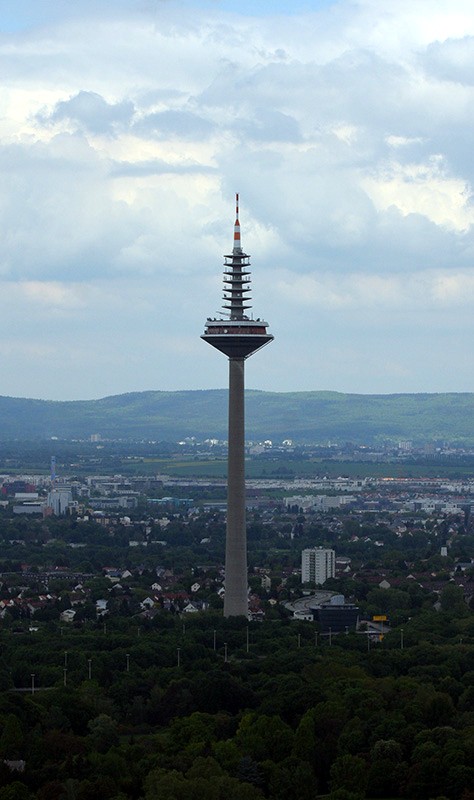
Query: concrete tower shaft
x=237 y=336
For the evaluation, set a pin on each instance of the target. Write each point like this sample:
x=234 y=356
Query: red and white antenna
x=237 y=242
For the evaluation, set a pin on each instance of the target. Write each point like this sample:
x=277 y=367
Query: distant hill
x=301 y=416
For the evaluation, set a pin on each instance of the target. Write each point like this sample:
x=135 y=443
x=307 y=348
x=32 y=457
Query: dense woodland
x=151 y=710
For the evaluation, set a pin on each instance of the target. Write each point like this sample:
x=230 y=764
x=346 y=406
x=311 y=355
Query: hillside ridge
x=301 y=416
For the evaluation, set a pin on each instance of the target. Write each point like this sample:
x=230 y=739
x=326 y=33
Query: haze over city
x=126 y=130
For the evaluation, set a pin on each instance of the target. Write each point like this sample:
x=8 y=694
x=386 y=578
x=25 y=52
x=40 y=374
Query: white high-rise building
x=317 y=565
x=59 y=500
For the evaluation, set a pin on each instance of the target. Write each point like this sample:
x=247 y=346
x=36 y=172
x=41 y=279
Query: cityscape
x=114 y=583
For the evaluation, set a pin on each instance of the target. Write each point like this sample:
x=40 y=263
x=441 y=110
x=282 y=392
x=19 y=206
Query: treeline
x=208 y=708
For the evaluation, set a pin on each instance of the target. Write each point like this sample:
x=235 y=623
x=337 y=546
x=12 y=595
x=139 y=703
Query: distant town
x=78 y=547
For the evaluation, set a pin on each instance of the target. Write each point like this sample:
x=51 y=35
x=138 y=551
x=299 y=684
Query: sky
x=126 y=127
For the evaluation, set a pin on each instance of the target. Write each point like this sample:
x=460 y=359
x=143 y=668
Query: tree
x=205 y=768
x=15 y=791
x=452 y=600
x=350 y=773
x=290 y=778
x=387 y=768
x=439 y=710
x=11 y=740
x=248 y=771
x=264 y=737
x=103 y=733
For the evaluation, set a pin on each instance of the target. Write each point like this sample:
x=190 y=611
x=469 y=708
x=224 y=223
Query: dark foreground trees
x=281 y=718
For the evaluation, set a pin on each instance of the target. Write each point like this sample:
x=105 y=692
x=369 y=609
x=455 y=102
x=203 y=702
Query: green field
x=288 y=468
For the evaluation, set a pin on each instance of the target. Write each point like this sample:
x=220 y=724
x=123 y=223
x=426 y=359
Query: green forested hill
x=301 y=416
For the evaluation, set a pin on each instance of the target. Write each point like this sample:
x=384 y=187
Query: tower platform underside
x=237 y=337
x=240 y=346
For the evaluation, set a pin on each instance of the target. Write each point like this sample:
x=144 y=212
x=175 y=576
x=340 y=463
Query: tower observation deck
x=238 y=336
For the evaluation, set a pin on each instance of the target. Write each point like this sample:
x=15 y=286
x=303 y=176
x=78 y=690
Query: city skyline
x=125 y=132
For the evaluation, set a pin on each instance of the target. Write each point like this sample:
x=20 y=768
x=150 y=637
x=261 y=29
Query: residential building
x=317 y=565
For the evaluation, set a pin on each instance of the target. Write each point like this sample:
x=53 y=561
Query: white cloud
x=425 y=291
x=424 y=189
x=52 y=295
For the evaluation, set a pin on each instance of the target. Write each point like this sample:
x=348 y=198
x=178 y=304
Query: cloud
x=180 y=124
x=425 y=291
x=346 y=129
x=157 y=166
x=92 y=113
x=424 y=189
x=451 y=60
x=52 y=295
x=269 y=126
x=59 y=215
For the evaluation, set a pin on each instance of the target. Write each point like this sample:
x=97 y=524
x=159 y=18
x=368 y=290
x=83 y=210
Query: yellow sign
x=380 y=618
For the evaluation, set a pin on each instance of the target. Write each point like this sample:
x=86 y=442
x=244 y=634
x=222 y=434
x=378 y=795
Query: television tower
x=238 y=336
